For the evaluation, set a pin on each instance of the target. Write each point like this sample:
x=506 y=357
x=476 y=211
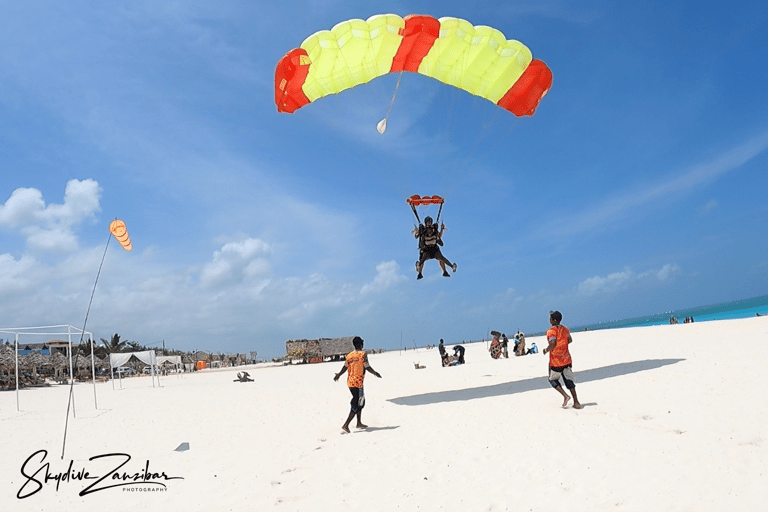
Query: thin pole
x=93 y=371
x=70 y=401
x=17 y=372
x=71 y=374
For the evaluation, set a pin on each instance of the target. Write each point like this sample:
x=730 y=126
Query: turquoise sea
x=729 y=310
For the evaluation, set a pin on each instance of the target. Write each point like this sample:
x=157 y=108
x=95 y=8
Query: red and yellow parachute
x=117 y=228
x=477 y=59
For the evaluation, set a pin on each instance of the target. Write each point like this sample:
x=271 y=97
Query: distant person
x=441 y=348
x=558 y=338
x=495 y=348
x=504 y=345
x=533 y=350
x=520 y=344
x=357 y=364
x=458 y=353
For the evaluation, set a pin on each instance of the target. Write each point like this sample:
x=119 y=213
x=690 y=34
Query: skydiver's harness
x=428 y=235
x=428 y=239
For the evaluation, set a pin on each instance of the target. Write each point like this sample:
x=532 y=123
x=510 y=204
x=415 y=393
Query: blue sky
x=638 y=187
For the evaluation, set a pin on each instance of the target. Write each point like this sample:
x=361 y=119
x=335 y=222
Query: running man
x=559 y=337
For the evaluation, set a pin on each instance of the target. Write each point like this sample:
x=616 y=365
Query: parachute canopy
x=117 y=228
x=417 y=200
x=477 y=59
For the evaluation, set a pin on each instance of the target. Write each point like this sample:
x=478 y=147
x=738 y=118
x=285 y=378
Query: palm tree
x=114 y=345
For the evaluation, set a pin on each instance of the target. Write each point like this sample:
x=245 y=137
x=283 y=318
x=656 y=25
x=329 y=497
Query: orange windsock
x=117 y=228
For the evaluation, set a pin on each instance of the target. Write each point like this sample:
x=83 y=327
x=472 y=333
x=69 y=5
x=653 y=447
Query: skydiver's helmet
x=428 y=221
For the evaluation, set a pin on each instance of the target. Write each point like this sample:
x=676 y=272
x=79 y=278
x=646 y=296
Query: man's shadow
x=510 y=388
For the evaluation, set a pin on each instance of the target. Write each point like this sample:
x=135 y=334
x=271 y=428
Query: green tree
x=114 y=345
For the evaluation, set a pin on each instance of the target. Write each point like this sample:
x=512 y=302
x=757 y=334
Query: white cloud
x=51 y=227
x=236 y=262
x=387 y=274
x=14 y=274
x=666 y=271
x=607 y=284
x=621 y=280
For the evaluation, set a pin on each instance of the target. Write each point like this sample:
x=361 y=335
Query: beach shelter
x=49 y=331
x=119 y=359
x=174 y=360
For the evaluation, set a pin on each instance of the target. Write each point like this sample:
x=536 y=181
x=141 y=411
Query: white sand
x=673 y=419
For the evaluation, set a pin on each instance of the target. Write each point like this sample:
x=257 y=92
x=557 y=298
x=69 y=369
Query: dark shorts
x=431 y=252
x=358 y=399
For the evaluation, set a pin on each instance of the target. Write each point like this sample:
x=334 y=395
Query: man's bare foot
x=360 y=425
x=345 y=430
x=577 y=405
x=565 y=400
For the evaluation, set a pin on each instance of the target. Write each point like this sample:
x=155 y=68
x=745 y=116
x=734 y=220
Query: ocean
x=729 y=310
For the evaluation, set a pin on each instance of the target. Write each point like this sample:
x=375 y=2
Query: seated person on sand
x=245 y=377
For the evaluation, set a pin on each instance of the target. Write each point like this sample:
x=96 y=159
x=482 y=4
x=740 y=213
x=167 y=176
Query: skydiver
x=430 y=240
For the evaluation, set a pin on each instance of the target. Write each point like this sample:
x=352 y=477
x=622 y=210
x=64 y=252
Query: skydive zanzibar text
x=38 y=473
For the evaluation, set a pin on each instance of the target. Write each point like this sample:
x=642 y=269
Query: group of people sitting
x=457 y=357
x=500 y=343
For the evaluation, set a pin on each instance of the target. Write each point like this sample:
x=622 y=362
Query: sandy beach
x=669 y=423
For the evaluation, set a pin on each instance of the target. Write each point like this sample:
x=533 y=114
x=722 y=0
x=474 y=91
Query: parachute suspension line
x=82 y=333
x=413 y=207
x=381 y=127
x=437 y=220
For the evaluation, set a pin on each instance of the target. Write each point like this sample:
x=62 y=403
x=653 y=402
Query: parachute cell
x=117 y=228
x=477 y=59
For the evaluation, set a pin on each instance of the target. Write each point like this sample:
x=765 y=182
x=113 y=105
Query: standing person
x=520 y=344
x=559 y=337
x=504 y=344
x=443 y=353
x=495 y=348
x=357 y=364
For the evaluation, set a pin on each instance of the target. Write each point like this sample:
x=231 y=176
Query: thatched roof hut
x=323 y=349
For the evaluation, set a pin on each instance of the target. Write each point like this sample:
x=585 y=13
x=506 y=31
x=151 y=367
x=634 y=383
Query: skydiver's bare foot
x=565 y=401
x=577 y=405
x=360 y=425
